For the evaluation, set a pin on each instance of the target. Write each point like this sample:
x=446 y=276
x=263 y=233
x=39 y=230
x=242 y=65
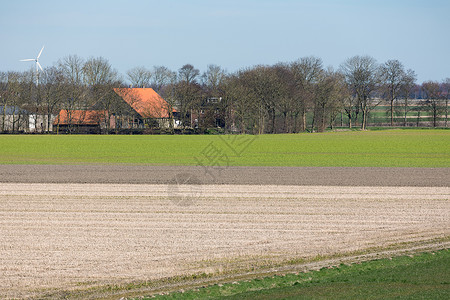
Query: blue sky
x=233 y=34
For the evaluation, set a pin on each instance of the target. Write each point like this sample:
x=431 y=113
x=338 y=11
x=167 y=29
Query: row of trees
x=279 y=98
x=286 y=97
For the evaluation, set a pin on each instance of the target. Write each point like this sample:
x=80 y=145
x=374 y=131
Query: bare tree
x=325 y=99
x=161 y=77
x=188 y=74
x=341 y=94
x=446 y=94
x=75 y=92
x=31 y=98
x=101 y=79
x=264 y=85
x=213 y=104
x=98 y=71
x=3 y=98
x=51 y=90
x=72 y=68
x=349 y=103
x=188 y=92
x=306 y=73
x=213 y=78
x=11 y=100
x=393 y=77
x=139 y=77
x=433 y=99
x=167 y=82
x=242 y=103
x=362 y=76
x=409 y=83
x=288 y=94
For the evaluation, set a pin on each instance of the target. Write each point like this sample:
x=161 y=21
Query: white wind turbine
x=38 y=65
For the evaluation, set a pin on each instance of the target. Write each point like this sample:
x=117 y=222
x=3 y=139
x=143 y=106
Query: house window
x=214 y=100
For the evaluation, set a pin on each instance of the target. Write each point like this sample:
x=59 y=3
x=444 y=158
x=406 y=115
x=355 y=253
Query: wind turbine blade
x=40 y=52
x=28 y=59
x=40 y=66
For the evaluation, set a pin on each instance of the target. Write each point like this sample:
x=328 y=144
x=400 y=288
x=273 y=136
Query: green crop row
x=385 y=148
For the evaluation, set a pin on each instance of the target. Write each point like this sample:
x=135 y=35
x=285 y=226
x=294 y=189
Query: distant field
x=390 y=148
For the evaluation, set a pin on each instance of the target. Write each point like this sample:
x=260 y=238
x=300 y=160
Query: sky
x=233 y=34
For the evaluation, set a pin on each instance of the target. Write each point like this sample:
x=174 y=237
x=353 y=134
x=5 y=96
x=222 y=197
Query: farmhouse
x=210 y=114
x=149 y=109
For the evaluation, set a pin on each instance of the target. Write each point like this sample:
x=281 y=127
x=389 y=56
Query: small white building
x=40 y=123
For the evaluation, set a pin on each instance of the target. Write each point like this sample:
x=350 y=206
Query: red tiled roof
x=80 y=117
x=145 y=101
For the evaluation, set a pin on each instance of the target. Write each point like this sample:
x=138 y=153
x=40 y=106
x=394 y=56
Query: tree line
x=290 y=97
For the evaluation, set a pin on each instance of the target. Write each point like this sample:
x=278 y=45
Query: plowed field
x=56 y=237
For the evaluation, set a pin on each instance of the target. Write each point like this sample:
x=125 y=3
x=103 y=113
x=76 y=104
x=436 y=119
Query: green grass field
x=424 y=276
x=386 y=148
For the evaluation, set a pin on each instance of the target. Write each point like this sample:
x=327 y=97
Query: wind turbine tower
x=38 y=65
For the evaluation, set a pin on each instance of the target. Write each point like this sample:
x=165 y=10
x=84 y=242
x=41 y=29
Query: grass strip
x=423 y=276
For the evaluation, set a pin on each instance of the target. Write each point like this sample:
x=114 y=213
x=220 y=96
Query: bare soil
x=65 y=238
x=329 y=176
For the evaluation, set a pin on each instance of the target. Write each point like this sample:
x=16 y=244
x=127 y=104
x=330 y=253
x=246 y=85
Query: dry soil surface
x=329 y=176
x=72 y=236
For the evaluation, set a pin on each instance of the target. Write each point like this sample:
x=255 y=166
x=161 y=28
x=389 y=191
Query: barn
x=81 y=121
